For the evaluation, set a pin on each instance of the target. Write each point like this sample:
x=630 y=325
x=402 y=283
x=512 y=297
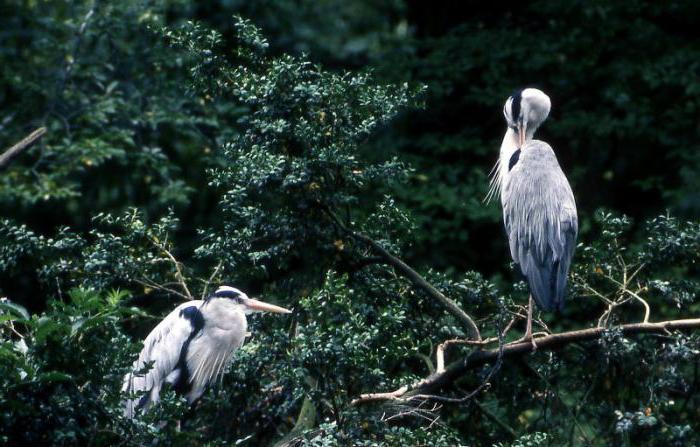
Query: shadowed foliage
x=334 y=160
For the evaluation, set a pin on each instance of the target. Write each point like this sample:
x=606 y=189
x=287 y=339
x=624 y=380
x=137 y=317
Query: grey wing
x=569 y=231
x=210 y=354
x=162 y=348
x=207 y=359
x=540 y=218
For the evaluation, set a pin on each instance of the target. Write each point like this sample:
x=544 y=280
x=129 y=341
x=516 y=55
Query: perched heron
x=191 y=346
x=539 y=211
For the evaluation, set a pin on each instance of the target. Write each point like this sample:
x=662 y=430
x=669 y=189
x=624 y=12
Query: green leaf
x=15 y=309
x=53 y=376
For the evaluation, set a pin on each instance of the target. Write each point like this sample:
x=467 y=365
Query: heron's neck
x=508 y=147
x=531 y=129
x=500 y=177
x=510 y=142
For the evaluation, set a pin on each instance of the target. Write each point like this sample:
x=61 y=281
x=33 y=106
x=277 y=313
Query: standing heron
x=539 y=211
x=191 y=346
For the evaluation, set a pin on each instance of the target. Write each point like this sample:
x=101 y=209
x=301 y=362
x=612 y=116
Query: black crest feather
x=226 y=294
x=515 y=104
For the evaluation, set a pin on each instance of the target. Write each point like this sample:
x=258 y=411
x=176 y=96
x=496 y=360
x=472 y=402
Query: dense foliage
x=182 y=154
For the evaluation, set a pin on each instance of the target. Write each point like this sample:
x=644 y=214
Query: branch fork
x=456 y=370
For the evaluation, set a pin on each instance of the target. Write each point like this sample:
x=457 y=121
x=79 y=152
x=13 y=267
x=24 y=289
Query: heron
x=539 y=210
x=191 y=346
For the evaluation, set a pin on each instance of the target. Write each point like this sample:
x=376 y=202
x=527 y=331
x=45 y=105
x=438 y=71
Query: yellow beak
x=265 y=307
x=522 y=128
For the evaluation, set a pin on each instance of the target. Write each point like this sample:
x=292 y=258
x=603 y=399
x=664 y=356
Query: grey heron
x=191 y=346
x=539 y=210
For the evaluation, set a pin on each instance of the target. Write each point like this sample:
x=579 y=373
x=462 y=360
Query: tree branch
x=208 y=282
x=478 y=358
x=178 y=267
x=20 y=147
x=414 y=277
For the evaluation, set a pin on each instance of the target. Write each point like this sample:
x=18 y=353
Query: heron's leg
x=528 y=327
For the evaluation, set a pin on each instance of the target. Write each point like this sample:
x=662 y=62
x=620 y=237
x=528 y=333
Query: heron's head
x=247 y=305
x=524 y=111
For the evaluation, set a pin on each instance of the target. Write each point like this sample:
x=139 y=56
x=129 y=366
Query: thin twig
x=418 y=411
x=178 y=269
x=647 y=310
x=624 y=289
x=211 y=278
x=485 y=383
x=154 y=285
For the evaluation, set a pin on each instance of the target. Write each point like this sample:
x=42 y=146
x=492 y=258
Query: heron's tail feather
x=547 y=283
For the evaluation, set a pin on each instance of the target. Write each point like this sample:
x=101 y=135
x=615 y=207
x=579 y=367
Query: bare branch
x=178 y=267
x=440 y=352
x=146 y=282
x=623 y=294
x=647 y=311
x=427 y=414
x=381 y=397
x=20 y=147
x=478 y=358
x=414 y=277
x=442 y=347
x=624 y=288
x=211 y=278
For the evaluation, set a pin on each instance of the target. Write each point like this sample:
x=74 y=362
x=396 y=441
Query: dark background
x=132 y=122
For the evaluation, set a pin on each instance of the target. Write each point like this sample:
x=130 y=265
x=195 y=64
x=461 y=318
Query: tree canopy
x=333 y=158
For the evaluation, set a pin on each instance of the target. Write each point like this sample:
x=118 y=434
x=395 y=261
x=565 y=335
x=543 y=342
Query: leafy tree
x=120 y=129
x=376 y=349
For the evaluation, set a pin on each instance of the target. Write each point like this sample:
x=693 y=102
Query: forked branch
x=475 y=359
x=181 y=282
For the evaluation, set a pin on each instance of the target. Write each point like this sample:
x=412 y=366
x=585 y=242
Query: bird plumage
x=539 y=213
x=500 y=170
x=191 y=347
x=180 y=353
x=158 y=359
x=539 y=210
